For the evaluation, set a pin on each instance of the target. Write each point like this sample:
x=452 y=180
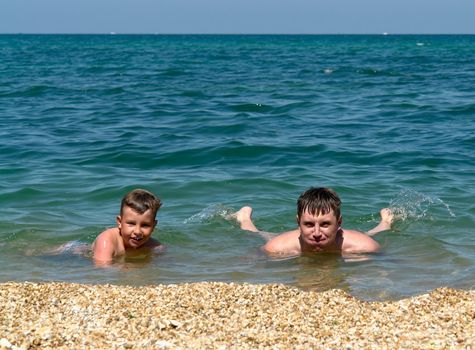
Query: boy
x=319 y=220
x=135 y=225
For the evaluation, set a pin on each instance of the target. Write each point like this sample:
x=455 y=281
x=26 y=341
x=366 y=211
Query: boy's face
x=318 y=232
x=135 y=228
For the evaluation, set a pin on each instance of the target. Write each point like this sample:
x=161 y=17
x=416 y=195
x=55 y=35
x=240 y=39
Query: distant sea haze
x=212 y=123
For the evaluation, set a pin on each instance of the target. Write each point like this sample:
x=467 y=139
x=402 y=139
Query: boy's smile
x=135 y=228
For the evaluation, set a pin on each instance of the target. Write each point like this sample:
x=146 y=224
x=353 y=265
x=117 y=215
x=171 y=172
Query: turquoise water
x=212 y=123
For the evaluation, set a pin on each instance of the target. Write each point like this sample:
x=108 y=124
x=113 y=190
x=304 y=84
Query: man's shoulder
x=358 y=242
x=285 y=243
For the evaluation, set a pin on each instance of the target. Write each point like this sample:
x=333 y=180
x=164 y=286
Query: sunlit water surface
x=212 y=123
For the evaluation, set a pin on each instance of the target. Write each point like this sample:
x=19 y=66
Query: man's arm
x=286 y=244
x=357 y=242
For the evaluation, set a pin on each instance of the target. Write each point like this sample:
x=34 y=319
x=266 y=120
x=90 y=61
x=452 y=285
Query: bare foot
x=387 y=219
x=243 y=214
x=243 y=217
x=387 y=216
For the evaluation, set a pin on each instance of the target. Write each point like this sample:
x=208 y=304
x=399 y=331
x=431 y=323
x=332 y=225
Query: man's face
x=318 y=232
x=135 y=228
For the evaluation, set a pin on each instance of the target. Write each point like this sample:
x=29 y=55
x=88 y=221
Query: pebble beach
x=215 y=315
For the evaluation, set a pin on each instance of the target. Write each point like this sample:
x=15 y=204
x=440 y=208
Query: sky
x=238 y=16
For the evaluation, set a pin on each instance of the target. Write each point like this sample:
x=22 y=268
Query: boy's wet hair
x=319 y=201
x=141 y=201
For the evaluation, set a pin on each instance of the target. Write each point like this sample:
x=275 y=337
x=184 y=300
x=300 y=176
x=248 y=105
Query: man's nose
x=316 y=231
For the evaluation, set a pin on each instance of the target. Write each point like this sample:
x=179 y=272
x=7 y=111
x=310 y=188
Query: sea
x=211 y=123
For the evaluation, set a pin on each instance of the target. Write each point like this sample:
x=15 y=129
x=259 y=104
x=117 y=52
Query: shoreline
x=227 y=315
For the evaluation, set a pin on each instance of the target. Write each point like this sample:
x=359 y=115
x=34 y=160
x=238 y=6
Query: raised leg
x=244 y=218
x=387 y=219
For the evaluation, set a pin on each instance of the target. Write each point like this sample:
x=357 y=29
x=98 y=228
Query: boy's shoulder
x=109 y=236
x=107 y=245
x=110 y=233
x=358 y=242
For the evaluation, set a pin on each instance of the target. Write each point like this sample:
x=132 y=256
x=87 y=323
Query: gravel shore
x=227 y=315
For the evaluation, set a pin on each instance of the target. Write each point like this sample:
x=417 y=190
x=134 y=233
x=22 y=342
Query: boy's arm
x=104 y=248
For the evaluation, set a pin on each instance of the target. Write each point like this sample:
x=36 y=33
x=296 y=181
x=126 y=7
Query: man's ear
x=297 y=219
x=340 y=221
x=118 y=220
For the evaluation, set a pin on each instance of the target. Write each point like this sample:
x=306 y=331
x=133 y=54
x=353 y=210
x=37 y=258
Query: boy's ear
x=118 y=221
x=297 y=219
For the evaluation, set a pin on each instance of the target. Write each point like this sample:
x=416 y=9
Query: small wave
x=25 y=193
x=31 y=91
x=209 y=213
x=193 y=93
x=378 y=72
x=368 y=71
x=468 y=110
x=413 y=205
x=173 y=72
x=114 y=90
x=250 y=107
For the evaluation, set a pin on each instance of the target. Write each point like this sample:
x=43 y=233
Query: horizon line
x=230 y=34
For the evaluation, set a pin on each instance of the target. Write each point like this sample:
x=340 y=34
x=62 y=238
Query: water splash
x=7 y=237
x=410 y=204
x=209 y=213
x=74 y=247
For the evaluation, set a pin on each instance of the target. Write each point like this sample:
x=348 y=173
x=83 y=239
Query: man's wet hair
x=140 y=201
x=319 y=200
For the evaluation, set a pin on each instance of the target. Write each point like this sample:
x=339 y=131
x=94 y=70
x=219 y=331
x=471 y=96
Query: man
x=319 y=220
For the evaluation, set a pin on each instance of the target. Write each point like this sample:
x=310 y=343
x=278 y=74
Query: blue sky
x=237 y=16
